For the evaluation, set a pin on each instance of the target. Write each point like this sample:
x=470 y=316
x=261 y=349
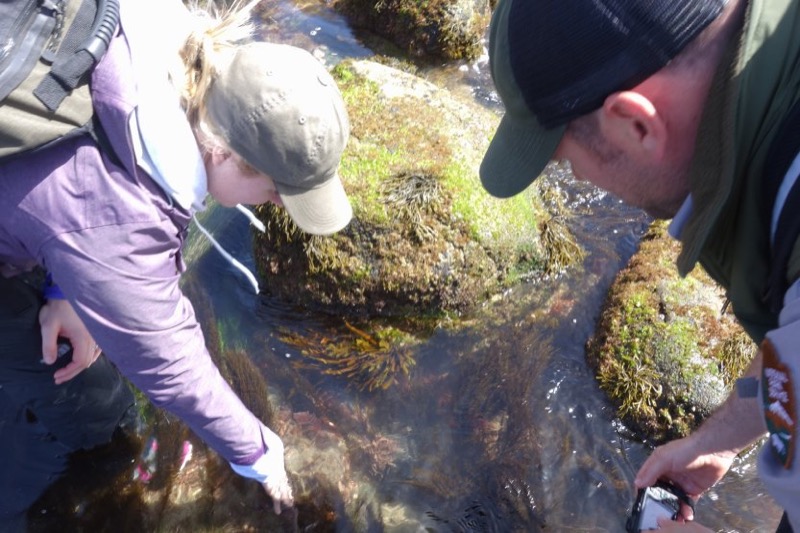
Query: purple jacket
x=112 y=241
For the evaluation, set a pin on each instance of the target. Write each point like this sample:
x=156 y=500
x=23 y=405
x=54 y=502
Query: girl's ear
x=631 y=122
x=217 y=157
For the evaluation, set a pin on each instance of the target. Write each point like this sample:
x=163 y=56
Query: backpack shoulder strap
x=25 y=27
x=84 y=44
x=48 y=49
x=782 y=204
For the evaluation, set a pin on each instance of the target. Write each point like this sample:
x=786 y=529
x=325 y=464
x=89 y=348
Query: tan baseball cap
x=278 y=108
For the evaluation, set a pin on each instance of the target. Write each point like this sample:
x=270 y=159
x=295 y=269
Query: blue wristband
x=51 y=290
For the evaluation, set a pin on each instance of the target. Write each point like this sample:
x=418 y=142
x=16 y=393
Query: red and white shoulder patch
x=780 y=411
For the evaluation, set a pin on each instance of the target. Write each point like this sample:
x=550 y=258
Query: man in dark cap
x=688 y=109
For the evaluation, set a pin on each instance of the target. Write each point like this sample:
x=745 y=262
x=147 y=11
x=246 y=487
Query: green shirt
x=754 y=88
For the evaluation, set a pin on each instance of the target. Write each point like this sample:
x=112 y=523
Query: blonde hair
x=212 y=39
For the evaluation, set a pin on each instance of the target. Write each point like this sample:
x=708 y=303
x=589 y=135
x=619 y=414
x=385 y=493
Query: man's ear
x=631 y=122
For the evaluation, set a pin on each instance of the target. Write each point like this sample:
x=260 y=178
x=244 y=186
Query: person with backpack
x=185 y=104
x=41 y=423
x=689 y=110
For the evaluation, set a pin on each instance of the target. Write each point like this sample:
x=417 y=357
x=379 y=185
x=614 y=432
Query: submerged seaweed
x=561 y=249
x=368 y=360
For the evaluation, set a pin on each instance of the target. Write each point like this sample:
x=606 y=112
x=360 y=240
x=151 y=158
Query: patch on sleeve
x=779 y=404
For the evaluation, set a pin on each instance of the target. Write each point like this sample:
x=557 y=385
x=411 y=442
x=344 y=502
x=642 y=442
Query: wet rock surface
x=426 y=238
x=447 y=29
x=666 y=350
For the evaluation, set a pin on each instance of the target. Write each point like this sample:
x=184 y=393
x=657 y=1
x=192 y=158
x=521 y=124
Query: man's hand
x=58 y=319
x=681 y=527
x=682 y=462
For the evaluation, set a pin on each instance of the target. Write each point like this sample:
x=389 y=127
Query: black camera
x=662 y=500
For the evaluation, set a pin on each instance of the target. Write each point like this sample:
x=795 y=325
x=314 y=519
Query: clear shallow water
x=499 y=426
x=577 y=467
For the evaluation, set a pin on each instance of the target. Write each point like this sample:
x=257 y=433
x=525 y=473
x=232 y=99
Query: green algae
x=425 y=239
x=664 y=351
x=422 y=28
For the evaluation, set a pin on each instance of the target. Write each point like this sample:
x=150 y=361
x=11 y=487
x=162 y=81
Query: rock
x=426 y=238
x=451 y=29
x=663 y=351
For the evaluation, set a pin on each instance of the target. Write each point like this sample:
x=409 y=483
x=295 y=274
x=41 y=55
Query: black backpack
x=48 y=49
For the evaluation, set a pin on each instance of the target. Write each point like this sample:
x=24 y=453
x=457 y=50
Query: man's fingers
x=687 y=512
x=648 y=474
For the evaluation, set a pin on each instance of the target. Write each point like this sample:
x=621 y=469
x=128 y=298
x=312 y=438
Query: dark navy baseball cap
x=553 y=61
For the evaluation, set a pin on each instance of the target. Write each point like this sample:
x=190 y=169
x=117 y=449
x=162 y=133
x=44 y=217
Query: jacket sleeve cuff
x=51 y=290
x=269 y=464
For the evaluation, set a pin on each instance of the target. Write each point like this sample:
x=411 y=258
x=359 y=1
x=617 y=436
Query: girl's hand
x=57 y=319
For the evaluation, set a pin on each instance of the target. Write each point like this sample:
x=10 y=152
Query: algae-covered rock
x=666 y=349
x=450 y=29
x=426 y=238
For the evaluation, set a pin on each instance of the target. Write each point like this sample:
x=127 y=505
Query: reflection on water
x=499 y=426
